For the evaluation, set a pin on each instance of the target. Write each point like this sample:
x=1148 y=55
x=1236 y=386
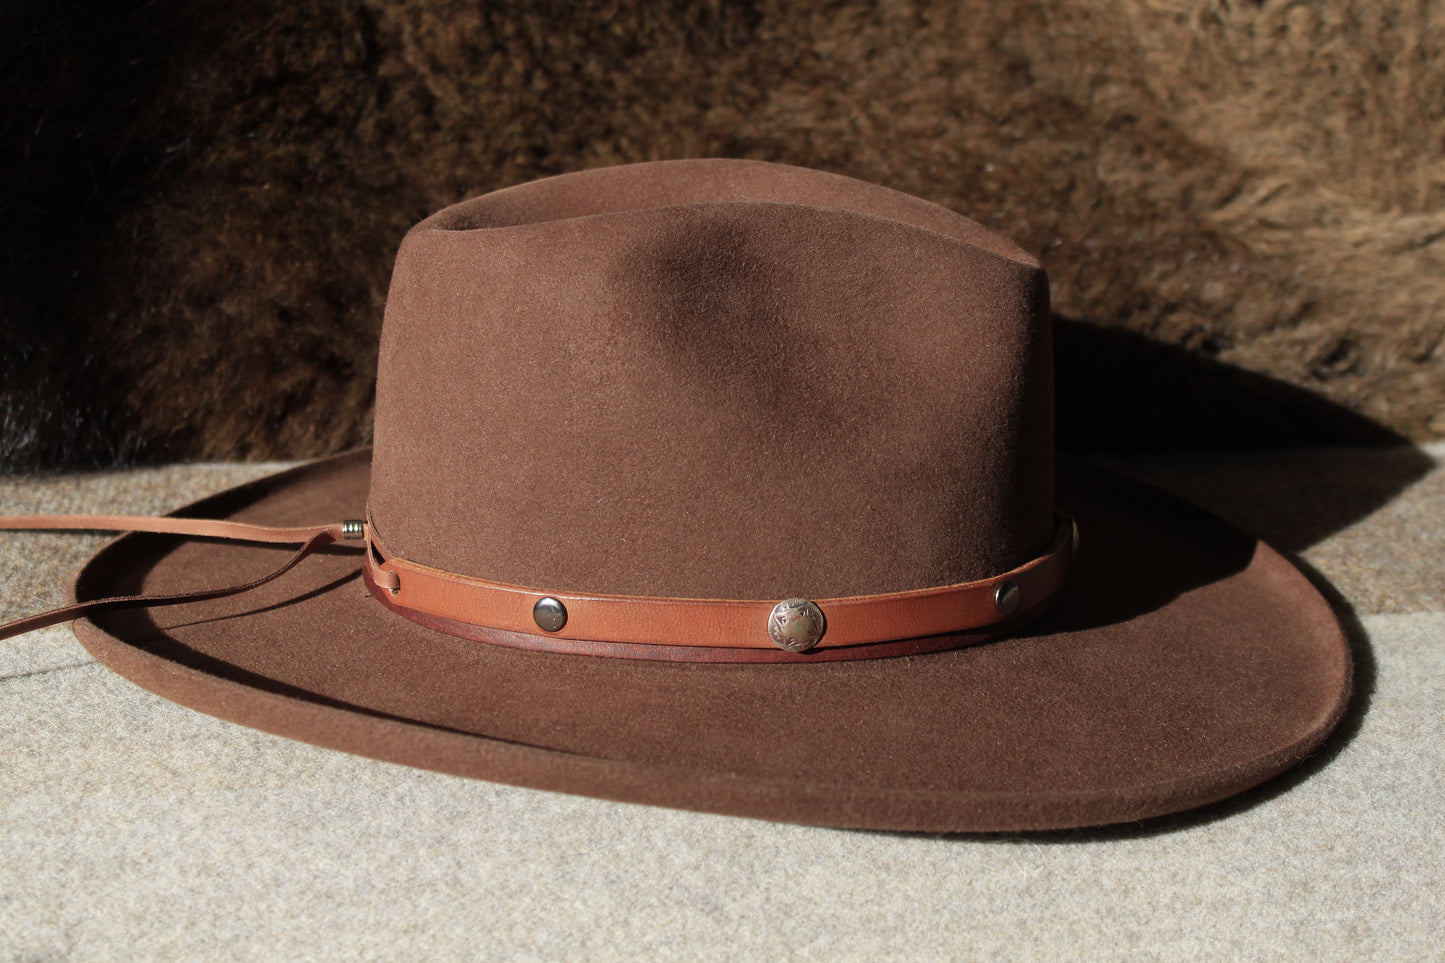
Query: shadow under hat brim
x=1184 y=662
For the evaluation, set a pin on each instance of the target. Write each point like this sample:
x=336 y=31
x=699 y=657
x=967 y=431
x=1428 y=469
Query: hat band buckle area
x=720 y=630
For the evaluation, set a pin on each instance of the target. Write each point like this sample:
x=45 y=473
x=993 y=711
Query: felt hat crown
x=730 y=486
x=772 y=384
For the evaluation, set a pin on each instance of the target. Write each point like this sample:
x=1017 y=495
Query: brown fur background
x=201 y=200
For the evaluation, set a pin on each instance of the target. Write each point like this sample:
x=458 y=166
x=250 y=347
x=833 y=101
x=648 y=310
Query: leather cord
x=312 y=539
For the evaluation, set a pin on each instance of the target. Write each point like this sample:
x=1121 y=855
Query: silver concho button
x=1006 y=599
x=549 y=614
x=796 y=625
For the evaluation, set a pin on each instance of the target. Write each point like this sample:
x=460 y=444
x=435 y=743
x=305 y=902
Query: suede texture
x=1185 y=662
x=716 y=379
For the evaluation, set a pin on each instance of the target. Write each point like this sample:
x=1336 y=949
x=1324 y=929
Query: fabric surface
x=127 y=821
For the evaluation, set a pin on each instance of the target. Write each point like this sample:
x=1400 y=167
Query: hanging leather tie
x=311 y=539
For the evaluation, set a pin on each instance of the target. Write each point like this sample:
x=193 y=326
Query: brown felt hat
x=730 y=486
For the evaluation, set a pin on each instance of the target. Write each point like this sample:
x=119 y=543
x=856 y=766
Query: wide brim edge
x=834 y=805
x=352 y=730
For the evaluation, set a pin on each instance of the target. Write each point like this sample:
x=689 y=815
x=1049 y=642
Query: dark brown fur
x=202 y=200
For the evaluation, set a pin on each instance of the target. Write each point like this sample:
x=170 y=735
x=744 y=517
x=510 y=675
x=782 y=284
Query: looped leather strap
x=639 y=627
x=716 y=630
x=312 y=538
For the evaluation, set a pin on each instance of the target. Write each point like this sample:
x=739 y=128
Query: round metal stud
x=1006 y=599
x=549 y=614
x=796 y=625
x=353 y=528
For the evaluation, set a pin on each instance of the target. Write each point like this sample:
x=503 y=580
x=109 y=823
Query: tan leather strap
x=313 y=538
x=168 y=525
x=504 y=614
x=867 y=626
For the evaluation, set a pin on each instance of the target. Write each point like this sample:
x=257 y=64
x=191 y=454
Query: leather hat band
x=719 y=630
x=634 y=627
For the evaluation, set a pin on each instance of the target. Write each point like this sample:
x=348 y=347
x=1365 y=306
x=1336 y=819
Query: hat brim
x=1185 y=661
